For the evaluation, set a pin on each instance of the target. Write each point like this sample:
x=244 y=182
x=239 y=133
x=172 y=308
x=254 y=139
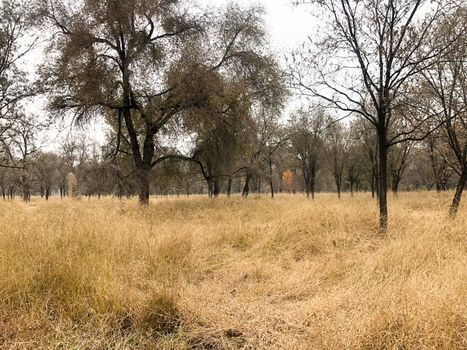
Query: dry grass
x=233 y=274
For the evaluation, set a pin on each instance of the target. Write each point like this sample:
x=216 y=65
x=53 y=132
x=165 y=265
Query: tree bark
x=229 y=187
x=457 y=197
x=395 y=185
x=373 y=185
x=143 y=184
x=383 y=180
x=216 y=189
x=246 y=187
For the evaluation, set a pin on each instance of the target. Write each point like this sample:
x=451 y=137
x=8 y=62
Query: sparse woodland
x=218 y=212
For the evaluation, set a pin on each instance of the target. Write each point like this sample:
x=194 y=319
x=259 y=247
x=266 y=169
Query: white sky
x=288 y=25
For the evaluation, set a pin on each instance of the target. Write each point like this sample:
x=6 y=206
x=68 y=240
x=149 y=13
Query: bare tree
x=366 y=61
x=338 y=149
x=46 y=166
x=23 y=147
x=398 y=163
x=307 y=139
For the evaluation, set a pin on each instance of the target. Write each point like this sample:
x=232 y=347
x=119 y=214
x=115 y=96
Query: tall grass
x=195 y=273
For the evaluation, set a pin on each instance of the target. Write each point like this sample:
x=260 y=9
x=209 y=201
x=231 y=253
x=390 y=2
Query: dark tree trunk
x=246 y=187
x=216 y=188
x=395 y=185
x=383 y=179
x=229 y=187
x=143 y=184
x=119 y=189
x=47 y=193
x=26 y=196
x=377 y=184
x=271 y=184
x=210 y=187
x=312 y=188
x=373 y=185
x=457 y=197
x=338 y=179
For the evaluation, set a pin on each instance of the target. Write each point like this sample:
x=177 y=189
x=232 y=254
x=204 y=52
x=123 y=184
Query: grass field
x=195 y=273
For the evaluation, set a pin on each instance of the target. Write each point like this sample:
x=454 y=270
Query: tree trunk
x=373 y=185
x=312 y=188
x=457 y=197
x=229 y=187
x=338 y=186
x=395 y=185
x=210 y=187
x=143 y=184
x=246 y=187
x=383 y=180
x=271 y=186
x=216 y=189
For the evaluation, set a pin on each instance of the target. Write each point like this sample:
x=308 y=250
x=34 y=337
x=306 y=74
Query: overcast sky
x=287 y=24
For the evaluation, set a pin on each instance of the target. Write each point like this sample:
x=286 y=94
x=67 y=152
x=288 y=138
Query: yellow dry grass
x=196 y=273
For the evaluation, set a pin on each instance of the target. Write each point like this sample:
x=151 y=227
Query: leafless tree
x=366 y=61
x=307 y=139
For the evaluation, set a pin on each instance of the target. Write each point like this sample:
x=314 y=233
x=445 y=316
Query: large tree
x=153 y=64
x=370 y=52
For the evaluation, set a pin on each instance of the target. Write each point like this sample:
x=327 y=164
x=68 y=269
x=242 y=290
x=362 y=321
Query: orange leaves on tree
x=287 y=179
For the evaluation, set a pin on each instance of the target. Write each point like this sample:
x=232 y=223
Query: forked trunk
x=457 y=197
